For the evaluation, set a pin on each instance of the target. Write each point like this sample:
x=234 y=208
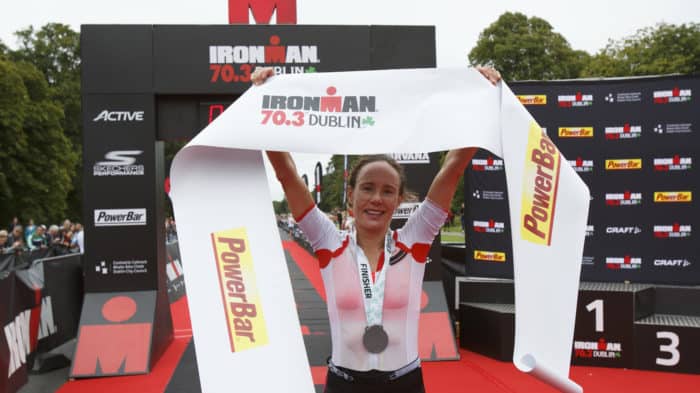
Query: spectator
x=29 y=230
x=16 y=235
x=65 y=229
x=67 y=239
x=290 y=223
x=15 y=239
x=38 y=238
x=170 y=230
x=53 y=236
x=78 y=242
x=63 y=246
x=349 y=221
x=13 y=224
x=339 y=218
x=4 y=243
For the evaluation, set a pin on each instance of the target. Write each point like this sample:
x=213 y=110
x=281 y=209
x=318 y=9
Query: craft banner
x=243 y=314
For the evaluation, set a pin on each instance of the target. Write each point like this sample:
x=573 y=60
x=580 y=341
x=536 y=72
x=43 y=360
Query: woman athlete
x=372 y=275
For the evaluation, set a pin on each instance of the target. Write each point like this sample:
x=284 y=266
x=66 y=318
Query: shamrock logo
x=369 y=120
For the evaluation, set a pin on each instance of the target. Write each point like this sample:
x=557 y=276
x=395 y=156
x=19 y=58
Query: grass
x=452 y=233
x=452 y=228
x=452 y=237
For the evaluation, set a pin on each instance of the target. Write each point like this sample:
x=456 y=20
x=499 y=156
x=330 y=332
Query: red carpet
x=308 y=264
x=473 y=373
x=476 y=373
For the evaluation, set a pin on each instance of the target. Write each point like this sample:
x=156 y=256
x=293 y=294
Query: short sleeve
x=320 y=230
x=418 y=233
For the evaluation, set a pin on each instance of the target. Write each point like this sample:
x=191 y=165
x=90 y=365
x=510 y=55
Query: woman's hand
x=261 y=74
x=489 y=73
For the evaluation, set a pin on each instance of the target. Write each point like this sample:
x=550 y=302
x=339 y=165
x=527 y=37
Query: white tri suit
x=338 y=256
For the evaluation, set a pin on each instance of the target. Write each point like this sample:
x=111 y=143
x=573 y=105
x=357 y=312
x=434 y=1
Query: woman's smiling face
x=377 y=193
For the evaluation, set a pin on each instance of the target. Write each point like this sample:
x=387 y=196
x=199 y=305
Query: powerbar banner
x=244 y=319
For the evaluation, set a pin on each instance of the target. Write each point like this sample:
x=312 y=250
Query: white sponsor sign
x=118 y=116
x=218 y=182
x=119 y=217
x=411 y=158
x=119 y=163
x=672 y=262
x=405 y=210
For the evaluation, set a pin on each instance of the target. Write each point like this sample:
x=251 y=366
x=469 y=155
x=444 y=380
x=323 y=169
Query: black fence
x=40 y=310
x=42 y=297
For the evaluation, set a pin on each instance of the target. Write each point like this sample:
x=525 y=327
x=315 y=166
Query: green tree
x=3 y=51
x=13 y=108
x=280 y=207
x=663 y=49
x=55 y=50
x=523 y=48
x=37 y=161
x=333 y=180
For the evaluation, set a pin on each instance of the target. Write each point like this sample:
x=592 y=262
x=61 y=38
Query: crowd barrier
x=42 y=297
x=40 y=310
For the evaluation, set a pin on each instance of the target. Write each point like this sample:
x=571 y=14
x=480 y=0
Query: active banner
x=243 y=313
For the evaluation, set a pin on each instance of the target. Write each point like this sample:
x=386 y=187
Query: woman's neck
x=370 y=240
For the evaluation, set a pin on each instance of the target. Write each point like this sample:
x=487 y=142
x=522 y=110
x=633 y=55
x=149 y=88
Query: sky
x=587 y=25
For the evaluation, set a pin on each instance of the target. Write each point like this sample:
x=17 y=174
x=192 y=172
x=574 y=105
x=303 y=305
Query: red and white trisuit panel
x=339 y=256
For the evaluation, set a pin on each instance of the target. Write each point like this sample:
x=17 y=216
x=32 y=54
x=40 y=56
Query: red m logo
x=262 y=11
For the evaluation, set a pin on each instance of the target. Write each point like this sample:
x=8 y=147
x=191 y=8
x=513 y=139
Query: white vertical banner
x=548 y=205
x=244 y=320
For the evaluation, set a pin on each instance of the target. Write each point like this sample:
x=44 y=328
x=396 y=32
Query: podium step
x=626 y=325
x=484 y=290
x=671 y=320
x=613 y=286
x=495 y=307
x=668 y=342
x=488 y=329
x=679 y=300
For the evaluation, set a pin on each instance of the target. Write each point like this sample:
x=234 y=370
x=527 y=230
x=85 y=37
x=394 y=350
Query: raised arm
x=445 y=183
x=298 y=197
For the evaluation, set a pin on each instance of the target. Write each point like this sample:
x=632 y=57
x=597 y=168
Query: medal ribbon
x=372 y=293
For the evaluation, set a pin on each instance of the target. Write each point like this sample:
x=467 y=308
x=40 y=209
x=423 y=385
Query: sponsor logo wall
x=634 y=143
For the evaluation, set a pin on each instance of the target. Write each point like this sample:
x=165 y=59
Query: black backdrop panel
x=120 y=192
x=420 y=170
x=116 y=59
x=487 y=223
x=633 y=142
x=402 y=47
x=183 y=117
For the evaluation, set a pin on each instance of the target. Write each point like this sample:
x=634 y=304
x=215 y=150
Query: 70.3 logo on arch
x=330 y=110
